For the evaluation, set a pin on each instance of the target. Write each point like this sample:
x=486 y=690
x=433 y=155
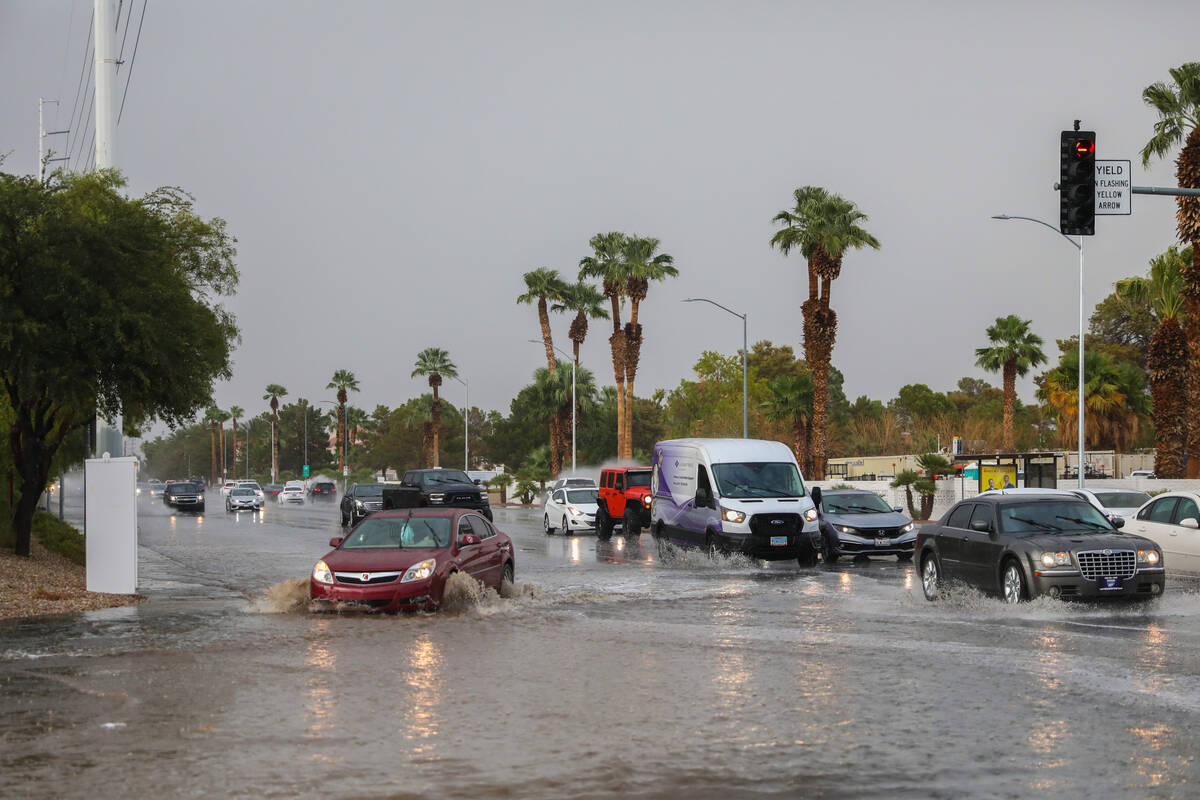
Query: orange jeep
x=623 y=499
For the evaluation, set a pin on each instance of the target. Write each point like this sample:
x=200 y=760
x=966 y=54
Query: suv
x=323 y=490
x=447 y=487
x=624 y=499
x=185 y=496
x=360 y=500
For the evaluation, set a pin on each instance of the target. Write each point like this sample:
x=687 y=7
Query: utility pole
x=43 y=154
x=108 y=434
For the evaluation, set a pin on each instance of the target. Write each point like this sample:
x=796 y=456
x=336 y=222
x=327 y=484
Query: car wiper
x=769 y=492
x=1044 y=525
x=1093 y=525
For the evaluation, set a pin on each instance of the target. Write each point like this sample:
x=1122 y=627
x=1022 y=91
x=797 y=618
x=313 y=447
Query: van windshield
x=758 y=479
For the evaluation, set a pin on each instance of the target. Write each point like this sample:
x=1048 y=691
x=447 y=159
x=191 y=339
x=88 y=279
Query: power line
x=79 y=89
x=86 y=122
x=66 y=57
x=124 y=36
x=132 y=58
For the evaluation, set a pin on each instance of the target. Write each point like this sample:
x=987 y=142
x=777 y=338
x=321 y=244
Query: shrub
x=59 y=537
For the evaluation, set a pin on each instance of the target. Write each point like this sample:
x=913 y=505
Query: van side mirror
x=816 y=497
x=704 y=498
x=335 y=541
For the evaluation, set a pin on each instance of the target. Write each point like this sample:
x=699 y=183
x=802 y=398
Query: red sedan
x=400 y=560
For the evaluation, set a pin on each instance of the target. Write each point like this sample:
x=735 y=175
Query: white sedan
x=1115 y=502
x=258 y=492
x=1172 y=521
x=570 y=510
x=293 y=492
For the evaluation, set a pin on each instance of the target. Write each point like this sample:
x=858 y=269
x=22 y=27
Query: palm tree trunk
x=820 y=330
x=1166 y=367
x=235 y=448
x=1192 y=427
x=274 y=446
x=1010 y=397
x=341 y=428
x=212 y=428
x=617 y=343
x=547 y=338
x=437 y=426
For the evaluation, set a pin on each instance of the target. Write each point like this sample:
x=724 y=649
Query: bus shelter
x=1009 y=470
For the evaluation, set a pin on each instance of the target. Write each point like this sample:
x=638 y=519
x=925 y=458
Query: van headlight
x=732 y=515
x=321 y=573
x=810 y=515
x=646 y=501
x=1149 y=557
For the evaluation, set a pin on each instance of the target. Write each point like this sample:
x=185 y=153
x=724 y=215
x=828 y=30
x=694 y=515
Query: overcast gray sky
x=391 y=169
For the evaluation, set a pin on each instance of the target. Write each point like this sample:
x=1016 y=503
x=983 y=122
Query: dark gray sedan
x=1023 y=546
x=859 y=523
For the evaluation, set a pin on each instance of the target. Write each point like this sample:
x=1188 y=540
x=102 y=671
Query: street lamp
x=745 y=385
x=466 y=423
x=1079 y=246
x=572 y=360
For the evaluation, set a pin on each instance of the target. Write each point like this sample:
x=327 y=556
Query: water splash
x=283 y=598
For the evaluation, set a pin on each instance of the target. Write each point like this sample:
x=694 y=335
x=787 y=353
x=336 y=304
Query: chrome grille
x=1094 y=564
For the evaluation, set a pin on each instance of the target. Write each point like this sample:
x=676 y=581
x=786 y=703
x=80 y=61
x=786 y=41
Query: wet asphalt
x=617 y=670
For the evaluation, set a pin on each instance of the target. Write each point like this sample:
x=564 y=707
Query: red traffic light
x=1084 y=148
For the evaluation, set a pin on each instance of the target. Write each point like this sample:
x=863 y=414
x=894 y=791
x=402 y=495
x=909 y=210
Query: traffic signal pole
x=1079 y=417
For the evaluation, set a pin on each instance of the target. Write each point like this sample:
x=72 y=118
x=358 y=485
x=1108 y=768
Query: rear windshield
x=581 y=496
x=865 y=503
x=639 y=478
x=372 y=490
x=248 y=485
x=758 y=479
x=375 y=533
x=1052 y=516
x=1123 y=499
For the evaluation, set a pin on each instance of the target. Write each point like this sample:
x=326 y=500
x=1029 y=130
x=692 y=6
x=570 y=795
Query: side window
x=982 y=512
x=604 y=480
x=960 y=516
x=464 y=525
x=619 y=483
x=407 y=480
x=1185 y=510
x=560 y=496
x=1162 y=509
x=480 y=527
x=703 y=484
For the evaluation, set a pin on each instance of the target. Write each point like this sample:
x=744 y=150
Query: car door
x=472 y=558
x=492 y=566
x=950 y=537
x=1184 y=555
x=980 y=558
x=556 y=507
x=1153 y=521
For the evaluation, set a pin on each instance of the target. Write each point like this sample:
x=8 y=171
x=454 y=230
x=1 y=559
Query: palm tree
x=1167 y=359
x=273 y=393
x=214 y=417
x=588 y=303
x=553 y=401
x=1113 y=397
x=791 y=403
x=435 y=363
x=1014 y=351
x=1178 y=108
x=344 y=381
x=642 y=264
x=607 y=263
x=542 y=286
x=235 y=413
x=823 y=226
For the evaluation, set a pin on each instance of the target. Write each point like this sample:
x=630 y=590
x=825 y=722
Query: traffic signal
x=1077 y=183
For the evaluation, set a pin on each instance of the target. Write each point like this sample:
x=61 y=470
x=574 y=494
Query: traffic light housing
x=1077 y=183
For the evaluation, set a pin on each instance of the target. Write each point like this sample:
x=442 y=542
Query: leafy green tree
x=435 y=363
x=1115 y=400
x=917 y=403
x=344 y=381
x=1167 y=360
x=1014 y=351
x=791 y=403
x=933 y=465
x=1178 y=107
x=107 y=305
x=823 y=226
x=273 y=393
x=908 y=478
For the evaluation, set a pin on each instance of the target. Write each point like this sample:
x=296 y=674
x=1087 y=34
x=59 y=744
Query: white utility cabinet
x=110 y=506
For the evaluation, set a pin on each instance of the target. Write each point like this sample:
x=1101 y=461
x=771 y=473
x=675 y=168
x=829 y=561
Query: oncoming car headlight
x=908 y=527
x=1149 y=557
x=321 y=573
x=732 y=515
x=810 y=515
x=646 y=501
x=845 y=529
x=1059 y=559
x=575 y=512
x=419 y=571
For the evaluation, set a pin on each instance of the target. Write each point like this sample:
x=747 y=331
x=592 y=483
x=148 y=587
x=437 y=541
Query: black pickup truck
x=437 y=487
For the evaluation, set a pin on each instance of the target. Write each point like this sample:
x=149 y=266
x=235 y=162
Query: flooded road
x=617 y=670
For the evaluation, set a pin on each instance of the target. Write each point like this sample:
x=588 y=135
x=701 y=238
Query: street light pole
x=745 y=380
x=1080 y=389
x=466 y=423
x=573 y=404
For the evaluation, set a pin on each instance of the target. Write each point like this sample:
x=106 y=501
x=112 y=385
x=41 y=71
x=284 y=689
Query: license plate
x=882 y=542
x=1110 y=583
x=779 y=541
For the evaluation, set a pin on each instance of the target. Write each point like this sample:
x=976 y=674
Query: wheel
x=566 y=529
x=509 y=577
x=228 y=508
x=931 y=577
x=710 y=545
x=631 y=524
x=830 y=552
x=604 y=524
x=807 y=559
x=1013 y=582
x=546 y=524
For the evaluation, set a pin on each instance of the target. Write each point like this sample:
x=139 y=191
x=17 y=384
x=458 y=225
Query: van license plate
x=778 y=541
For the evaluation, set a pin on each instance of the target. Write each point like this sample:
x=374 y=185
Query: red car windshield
x=383 y=533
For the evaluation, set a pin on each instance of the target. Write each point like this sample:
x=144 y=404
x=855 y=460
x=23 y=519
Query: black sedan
x=858 y=523
x=1023 y=546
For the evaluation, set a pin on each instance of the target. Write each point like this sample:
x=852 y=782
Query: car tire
x=546 y=524
x=509 y=575
x=566 y=529
x=710 y=545
x=931 y=577
x=604 y=524
x=808 y=558
x=228 y=508
x=829 y=552
x=345 y=520
x=1012 y=583
x=630 y=523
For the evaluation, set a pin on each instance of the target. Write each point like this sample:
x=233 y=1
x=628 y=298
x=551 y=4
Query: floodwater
x=609 y=669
